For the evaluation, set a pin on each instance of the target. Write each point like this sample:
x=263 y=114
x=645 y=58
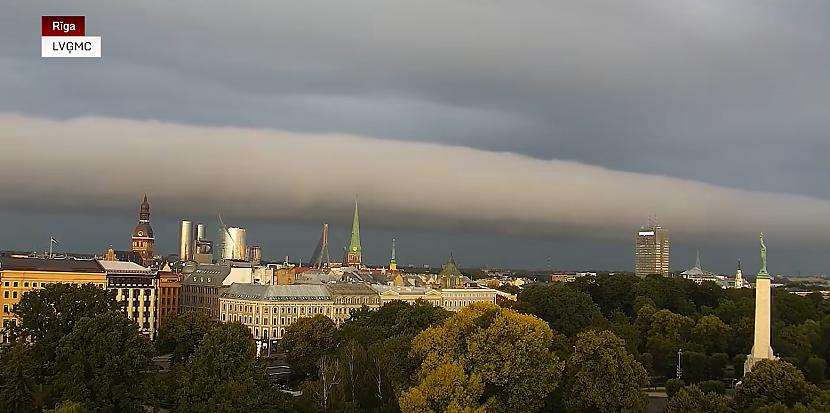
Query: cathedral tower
x=143 y=240
x=353 y=256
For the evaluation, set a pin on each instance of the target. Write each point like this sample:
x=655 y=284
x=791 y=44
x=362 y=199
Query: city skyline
x=528 y=138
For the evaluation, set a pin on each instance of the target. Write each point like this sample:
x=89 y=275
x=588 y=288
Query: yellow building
x=21 y=275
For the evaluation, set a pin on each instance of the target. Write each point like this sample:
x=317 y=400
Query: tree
x=17 y=387
x=507 y=351
x=223 y=376
x=307 y=340
x=695 y=366
x=446 y=389
x=770 y=382
x=711 y=333
x=566 y=309
x=814 y=369
x=102 y=362
x=601 y=376
x=48 y=315
x=694 y=400
x=68 y=407
x=180 y=334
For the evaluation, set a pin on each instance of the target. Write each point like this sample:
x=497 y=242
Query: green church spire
x=354 y=252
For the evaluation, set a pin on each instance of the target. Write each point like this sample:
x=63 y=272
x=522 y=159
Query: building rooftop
x=124 y=267
x=50 y=265
x=350 y=289
x=291 y=292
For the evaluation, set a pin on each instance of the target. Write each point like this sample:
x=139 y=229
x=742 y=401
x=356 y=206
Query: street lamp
x=679 y=369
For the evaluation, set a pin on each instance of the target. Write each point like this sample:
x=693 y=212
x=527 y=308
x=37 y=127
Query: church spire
x=354 y=252
x=393 y=266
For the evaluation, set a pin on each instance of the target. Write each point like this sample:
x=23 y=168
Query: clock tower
x=143 y=239
x=353 y=257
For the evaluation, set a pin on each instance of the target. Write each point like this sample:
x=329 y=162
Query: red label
x=62 y=26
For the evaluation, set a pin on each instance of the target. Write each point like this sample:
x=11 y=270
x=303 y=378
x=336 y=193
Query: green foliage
x=17 y=386
x=444 y=389
x=102 y=363
x=180 y=334
x=566 y=309
x=717 y=365
x=711 y=333
x=814 y=369
x=695 y=366
x=223 y=376
x=694 y=400
x=68 y=407
x=712 y=386
x=772 y=382
x=395 y=318
x=307 y=340
x=508 y=352
x=601 y=376
x=47 y=315
x=673 y=386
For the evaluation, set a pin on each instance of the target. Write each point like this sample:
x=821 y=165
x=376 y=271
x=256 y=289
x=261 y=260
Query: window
x=14 y=294
x=15 y=284
x=5 y=294
x=6 y=283
x=5 y=308
x=25 y=283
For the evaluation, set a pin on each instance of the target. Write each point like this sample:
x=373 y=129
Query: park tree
x=447 y=388
x=814 y=369
x=102 y=363
x=49 y=314
x=772 y=382
x=68 y=407
x=507 y=351
x=223 y=376
x=601 y=376
x=566 y=309
x=307 y=340
x=17 y=387
x=693 y=400
x=180 y=334
x=711 y=333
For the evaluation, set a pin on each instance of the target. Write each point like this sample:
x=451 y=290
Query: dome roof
x=143 y=230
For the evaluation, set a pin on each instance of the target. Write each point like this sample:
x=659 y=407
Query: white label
x=70 y=46
x=646 y=232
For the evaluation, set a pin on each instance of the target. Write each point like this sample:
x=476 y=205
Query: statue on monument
x=763 y=256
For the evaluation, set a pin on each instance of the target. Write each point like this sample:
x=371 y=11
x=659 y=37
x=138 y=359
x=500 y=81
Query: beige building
x=351 y=296
x=136 y=288
x=408 y=294
x=651 y=251
x=454 y=299
x=269 y=309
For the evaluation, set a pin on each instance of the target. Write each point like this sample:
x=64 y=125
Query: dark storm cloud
x=728 y=92
x=732 y=93
x=99 y=163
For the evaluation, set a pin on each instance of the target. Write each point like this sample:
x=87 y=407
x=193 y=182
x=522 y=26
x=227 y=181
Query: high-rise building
x=353 y=255
x=186 y=242
x=143 y=240
x=651 y=251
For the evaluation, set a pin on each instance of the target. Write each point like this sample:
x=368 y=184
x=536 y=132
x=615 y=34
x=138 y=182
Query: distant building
x=201 y=287
x=170 y=288
x=408 y=295
x=143 y=241
x=351 y=296
x=136 y=288
x=21 y=275
x=651 y=251
x=454 y=299
x=562 y=277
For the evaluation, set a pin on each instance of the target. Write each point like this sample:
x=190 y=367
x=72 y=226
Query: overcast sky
x=511 y=133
